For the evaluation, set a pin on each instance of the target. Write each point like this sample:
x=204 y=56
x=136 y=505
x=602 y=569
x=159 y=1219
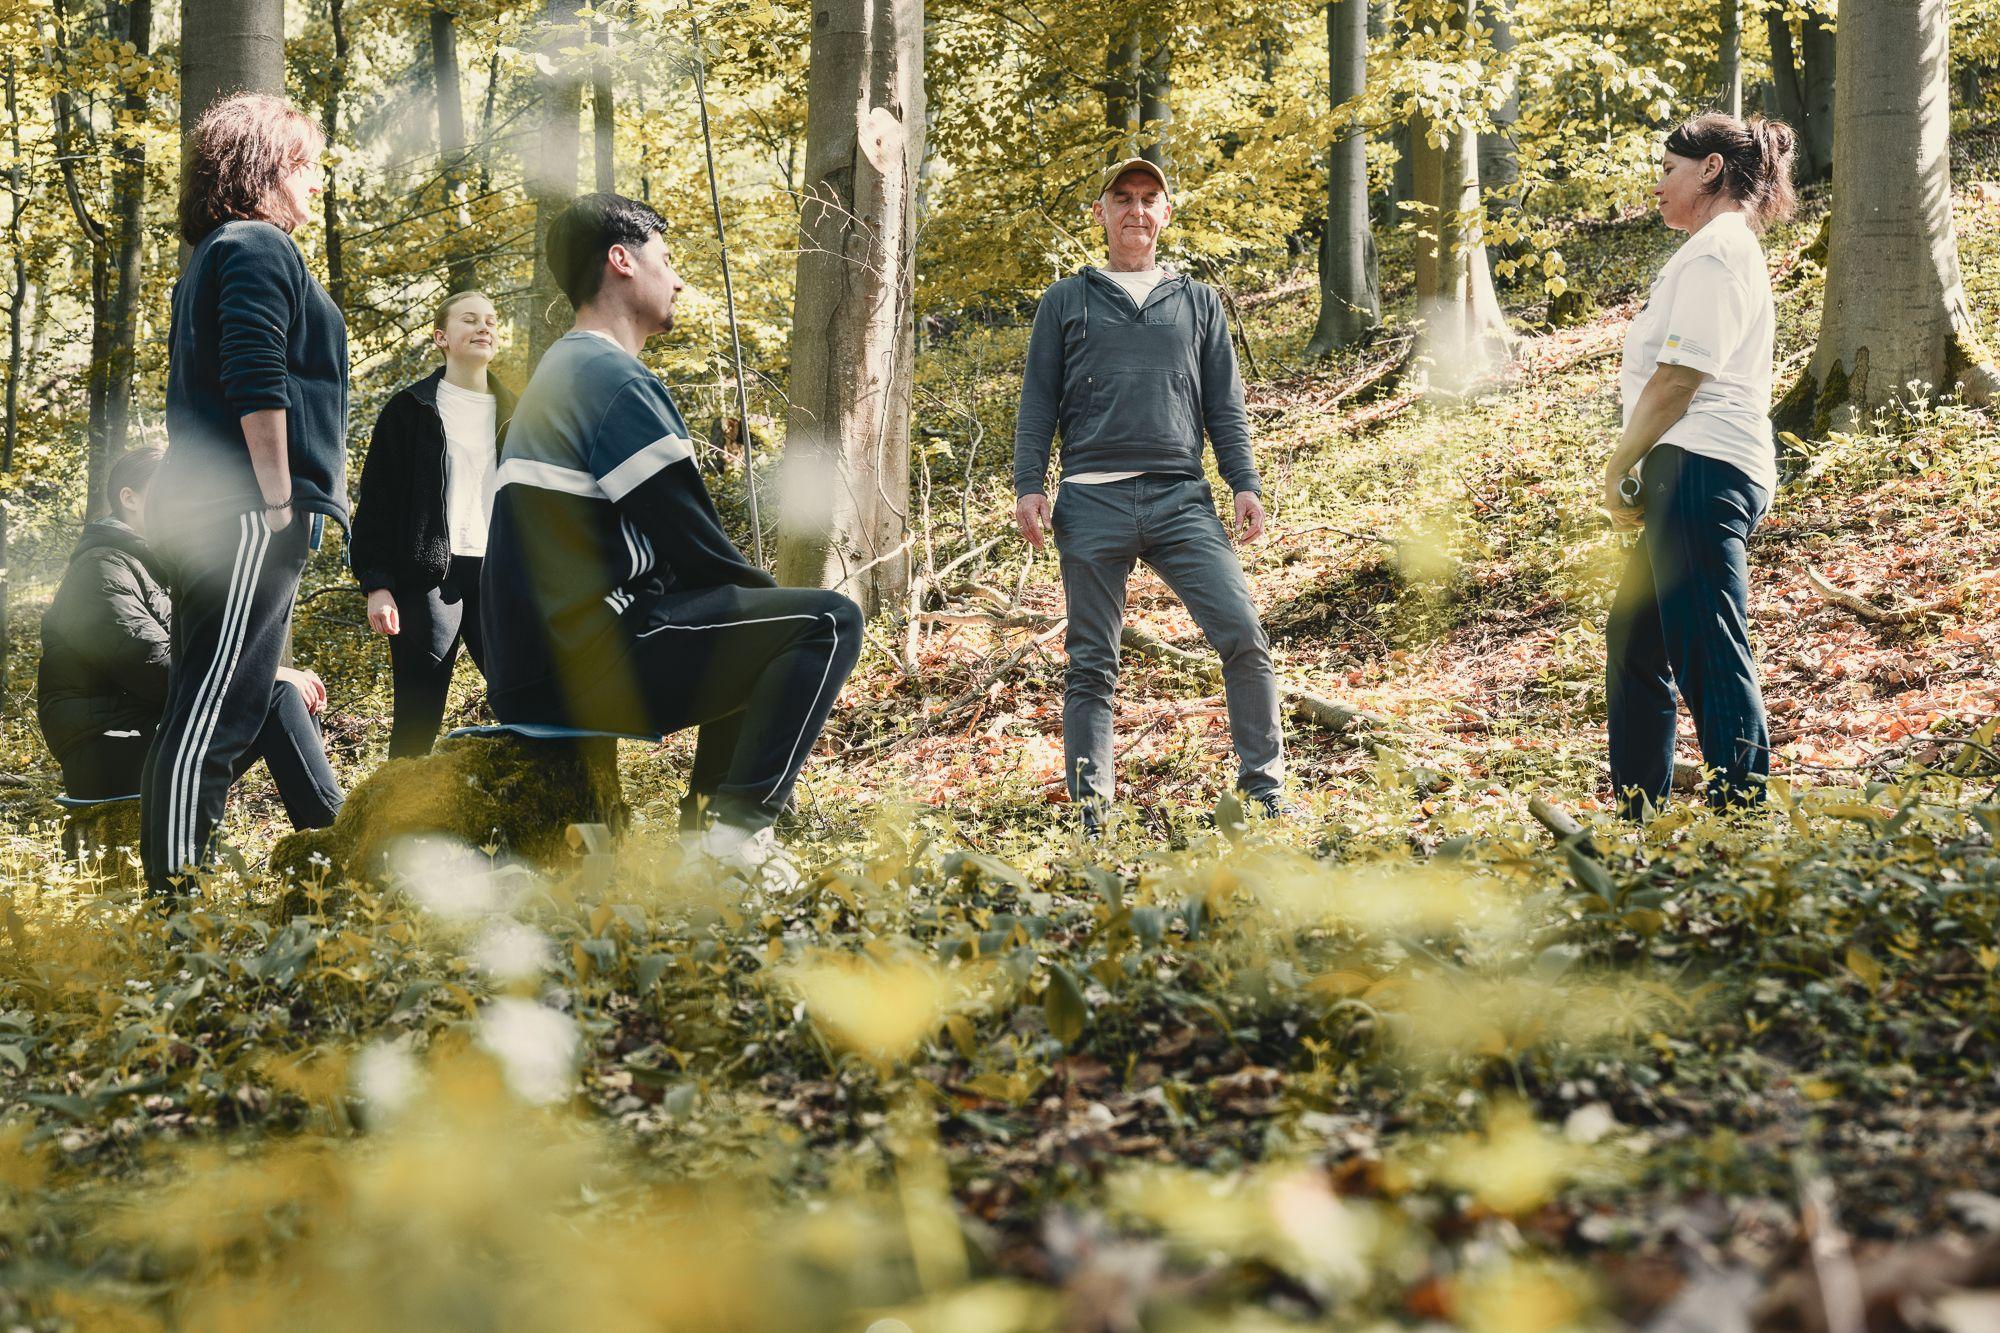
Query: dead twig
x=1907 y=614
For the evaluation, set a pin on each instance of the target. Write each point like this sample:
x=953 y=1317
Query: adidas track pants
x=232 y=587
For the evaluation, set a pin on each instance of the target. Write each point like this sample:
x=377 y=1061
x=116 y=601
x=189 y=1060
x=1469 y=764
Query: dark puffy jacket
x=104 y=641
x=399 y=540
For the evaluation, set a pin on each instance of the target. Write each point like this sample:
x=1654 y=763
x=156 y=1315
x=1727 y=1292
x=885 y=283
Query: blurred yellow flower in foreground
x=879 y=1009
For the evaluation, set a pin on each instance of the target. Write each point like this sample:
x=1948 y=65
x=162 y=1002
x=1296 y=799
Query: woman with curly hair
x=256 y=458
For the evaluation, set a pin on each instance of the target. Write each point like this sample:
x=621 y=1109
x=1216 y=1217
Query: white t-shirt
x=470 y=422
x=1138 y=286
x=1710 y=310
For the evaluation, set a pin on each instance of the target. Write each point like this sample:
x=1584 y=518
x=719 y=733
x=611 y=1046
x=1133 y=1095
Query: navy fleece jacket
x=1133 y=390
x=251 y=331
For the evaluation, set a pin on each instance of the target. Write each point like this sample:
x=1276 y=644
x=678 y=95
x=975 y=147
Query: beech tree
x=553 y=167
x=1729 y=57
x=229 y=46
x=847 y=443
x=1350 y=303
x=460 y=272
x=1896 y=314
x=1463 y=331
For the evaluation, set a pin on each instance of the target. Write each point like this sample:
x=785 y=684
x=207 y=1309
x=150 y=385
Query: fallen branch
x=1907 y=614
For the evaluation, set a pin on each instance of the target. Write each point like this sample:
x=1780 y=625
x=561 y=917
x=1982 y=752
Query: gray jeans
x=1101 y=531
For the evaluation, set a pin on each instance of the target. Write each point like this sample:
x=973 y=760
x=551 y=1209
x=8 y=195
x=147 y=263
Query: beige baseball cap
x=1117 y=169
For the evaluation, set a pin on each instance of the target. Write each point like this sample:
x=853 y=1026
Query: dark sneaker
x=1275 y=806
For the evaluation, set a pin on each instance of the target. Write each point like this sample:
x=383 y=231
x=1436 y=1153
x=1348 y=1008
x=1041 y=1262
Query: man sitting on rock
x=102 y=684
x=612 y=598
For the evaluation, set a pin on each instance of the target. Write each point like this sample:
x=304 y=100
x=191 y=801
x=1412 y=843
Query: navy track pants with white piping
x=232 y=586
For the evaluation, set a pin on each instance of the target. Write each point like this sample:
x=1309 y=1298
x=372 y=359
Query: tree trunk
x=1729 y=57
x=552 y=179
x=1798 y=93
x=17 y=198
x=1788 y=89
x=228 y=46
x=1464 y=333
x=1349 y=304
x=1896 y=311
x=461 y=274
x=847 y=451
x=336 y=84
x=1397 y=134
x=1156 y=111
x=603 y=119
x=128 y=234
x=1121 y=91
x=1499 y=159
x=1818 y=52
x=97 y=243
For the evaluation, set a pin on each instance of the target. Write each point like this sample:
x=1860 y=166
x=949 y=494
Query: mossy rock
x=519 y=795
x=107 y=834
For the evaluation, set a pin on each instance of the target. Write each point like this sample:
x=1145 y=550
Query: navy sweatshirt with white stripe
x=599 y=509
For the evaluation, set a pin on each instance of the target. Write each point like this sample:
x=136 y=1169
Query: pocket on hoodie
x=1155 y=405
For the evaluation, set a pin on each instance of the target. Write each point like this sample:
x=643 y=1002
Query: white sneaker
x=758 y=858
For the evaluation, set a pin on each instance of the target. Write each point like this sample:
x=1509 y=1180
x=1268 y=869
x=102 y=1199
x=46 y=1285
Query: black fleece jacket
x=400 y=539
x=105 y=641
x=251 y=331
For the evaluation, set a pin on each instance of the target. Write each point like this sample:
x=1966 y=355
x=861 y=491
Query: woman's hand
x=383 y=617
x=310 y=687
x=1624 y=517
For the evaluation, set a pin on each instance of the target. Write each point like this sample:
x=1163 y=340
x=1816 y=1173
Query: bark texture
x=552 y=175
x=1729 y=57
x=461 y=272
x=1499 y=158
x=1349 y=303
x=1464 y=332
x=336 y=88
x=603 y=115
x=1896 y=313
x=847 y=447
x=1818 y=57
x=229 y=46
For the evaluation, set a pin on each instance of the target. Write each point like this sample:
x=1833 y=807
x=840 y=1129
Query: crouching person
x=612 y=598
x=102 y=685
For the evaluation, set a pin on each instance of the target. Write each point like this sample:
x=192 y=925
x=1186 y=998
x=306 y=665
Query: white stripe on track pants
x=232 y=585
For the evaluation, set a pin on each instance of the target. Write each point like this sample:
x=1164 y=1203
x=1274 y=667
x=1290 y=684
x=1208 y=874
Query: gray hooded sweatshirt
x=1131 y=388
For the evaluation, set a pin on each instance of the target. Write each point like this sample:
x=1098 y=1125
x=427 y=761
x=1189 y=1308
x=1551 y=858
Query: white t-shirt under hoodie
x=1711 y=310
x=470 y=422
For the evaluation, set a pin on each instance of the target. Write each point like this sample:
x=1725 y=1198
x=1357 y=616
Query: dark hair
x=583 y=234
x=132 y=470
x=1756 y=160
x=241 y=148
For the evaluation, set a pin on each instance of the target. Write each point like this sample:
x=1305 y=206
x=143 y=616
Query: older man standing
x=1133 y=363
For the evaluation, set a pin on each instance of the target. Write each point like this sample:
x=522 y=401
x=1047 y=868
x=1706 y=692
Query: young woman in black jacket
x=256 y=458
x=103 y=678
x=420 y=522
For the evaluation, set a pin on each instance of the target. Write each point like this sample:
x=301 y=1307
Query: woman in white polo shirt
x=1696 y=389
x=419 y=537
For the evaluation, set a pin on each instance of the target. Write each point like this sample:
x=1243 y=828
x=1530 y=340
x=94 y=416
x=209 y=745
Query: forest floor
x=1400 y=1062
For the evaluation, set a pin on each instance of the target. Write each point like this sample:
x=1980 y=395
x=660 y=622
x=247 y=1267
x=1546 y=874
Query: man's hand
x=310 y=687
x=383 y=617
x=1030 y=513
x=1249 y=516
x=1624 y=517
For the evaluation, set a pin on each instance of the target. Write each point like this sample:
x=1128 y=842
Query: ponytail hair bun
x=1756 y=160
